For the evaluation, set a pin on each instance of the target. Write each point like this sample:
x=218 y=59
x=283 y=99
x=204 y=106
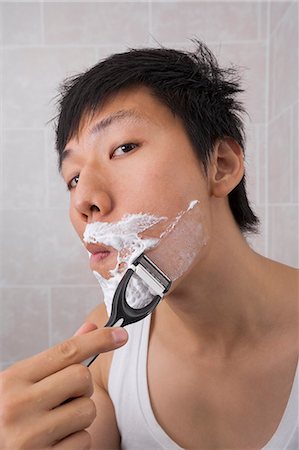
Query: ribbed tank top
x=128 y=390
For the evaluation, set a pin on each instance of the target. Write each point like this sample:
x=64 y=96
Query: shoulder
x=283 y=294
x=287 y=279
x=101 y=366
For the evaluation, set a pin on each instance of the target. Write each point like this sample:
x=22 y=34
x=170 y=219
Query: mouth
x=99 y=252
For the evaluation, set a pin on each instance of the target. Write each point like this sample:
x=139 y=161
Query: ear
x=226 y=167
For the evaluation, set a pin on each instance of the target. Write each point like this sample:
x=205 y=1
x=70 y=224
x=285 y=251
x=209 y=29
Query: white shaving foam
x=124 y=237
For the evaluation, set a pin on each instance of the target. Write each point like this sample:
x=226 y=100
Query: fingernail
x=119 y=335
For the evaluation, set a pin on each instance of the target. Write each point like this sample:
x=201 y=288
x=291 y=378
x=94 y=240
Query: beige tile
x=1 y=23
x=262 y=163
x=283 y=80
x=250 y=59
x=277 y=11
x=41 y=247
x=210 y=21
x=263 y=20
x=24 y=322
x=24 y=169
x=251 y=160
x=108 y=50
x=70 y=307
x=1 y=164
x=58 y=196
x=5 y=365
x=283 y=234
x=31 y=77
x=95 y=23
x=1 y=254
x=295 y=148
x=22 y=23
x=280 y=159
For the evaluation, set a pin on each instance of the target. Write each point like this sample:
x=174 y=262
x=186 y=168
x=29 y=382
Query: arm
x=104 y=432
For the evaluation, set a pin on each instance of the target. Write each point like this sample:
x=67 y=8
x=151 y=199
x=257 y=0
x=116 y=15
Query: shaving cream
x=124 y=236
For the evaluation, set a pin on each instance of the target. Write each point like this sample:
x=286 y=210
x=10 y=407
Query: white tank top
x=128 y=390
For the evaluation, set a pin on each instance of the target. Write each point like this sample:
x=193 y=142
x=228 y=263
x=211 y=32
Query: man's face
x=135 y=164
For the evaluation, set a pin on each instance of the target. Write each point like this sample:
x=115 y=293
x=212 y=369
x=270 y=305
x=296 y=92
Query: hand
x=45 y=400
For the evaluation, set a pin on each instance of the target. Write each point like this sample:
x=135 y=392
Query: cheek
x=164 y=171
x=175 y=181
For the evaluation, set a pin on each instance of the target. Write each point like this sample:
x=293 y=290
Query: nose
x=91 y=200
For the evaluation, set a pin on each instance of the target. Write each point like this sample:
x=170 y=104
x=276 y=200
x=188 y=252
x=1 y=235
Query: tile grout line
x=1 y=163
x=24 y=128
x=50 y=334
x=150 y=22
x=281 y=113
x=281 y=19
x=291 y=161
x=46 y=169
x=109 y=45
x=267 y=132
x=257 y=169
x=50 y=208
x=296 y=194
x=2 y=128
x=54 y=286
x=42 y=23
x=259 y=21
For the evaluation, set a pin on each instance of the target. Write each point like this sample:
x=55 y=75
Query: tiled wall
x=283 y=133
x=46 y=287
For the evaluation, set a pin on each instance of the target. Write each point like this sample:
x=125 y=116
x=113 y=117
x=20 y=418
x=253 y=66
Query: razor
x=122 y=313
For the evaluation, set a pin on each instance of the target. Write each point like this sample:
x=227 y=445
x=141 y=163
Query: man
x=214 y=366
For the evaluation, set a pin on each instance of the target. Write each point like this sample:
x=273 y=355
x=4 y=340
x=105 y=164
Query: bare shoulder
x=280 y=277
x=101 y=366
x=287 y=278
x=284 y=290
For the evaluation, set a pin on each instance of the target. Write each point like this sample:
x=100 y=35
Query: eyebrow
x=122 y=115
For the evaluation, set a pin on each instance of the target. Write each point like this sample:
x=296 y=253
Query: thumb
x=86 y=328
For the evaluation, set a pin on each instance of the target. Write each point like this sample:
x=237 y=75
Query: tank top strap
x=128 y=390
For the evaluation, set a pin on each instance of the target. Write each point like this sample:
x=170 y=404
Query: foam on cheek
x=124 y=237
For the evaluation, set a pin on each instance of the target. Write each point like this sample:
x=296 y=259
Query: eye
x=72 y=183
x=124 y=148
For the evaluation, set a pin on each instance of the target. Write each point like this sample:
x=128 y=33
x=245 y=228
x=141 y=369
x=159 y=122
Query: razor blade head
x=152 y=275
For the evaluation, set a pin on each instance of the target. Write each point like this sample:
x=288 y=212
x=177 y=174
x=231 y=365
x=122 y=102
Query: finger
x=72 y=351
x=86 y=328
x=69 y=418
x=76 y=441
x=56 y=388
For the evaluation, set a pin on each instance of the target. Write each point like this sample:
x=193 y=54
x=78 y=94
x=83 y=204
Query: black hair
x=190 y=84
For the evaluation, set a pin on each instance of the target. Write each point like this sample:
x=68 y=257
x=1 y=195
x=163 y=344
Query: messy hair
x=190 y=84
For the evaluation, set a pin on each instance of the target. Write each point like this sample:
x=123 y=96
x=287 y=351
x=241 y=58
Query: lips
x=98 y=248
x=99 y=254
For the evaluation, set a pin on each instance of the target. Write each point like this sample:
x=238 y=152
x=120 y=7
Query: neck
x=224 y=302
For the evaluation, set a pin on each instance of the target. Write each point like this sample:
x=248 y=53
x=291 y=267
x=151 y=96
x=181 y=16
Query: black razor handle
x=123 y=312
